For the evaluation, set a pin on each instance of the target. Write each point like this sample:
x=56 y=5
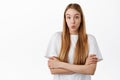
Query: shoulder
x=56 y=36
x=57 y=33
x=91 y=38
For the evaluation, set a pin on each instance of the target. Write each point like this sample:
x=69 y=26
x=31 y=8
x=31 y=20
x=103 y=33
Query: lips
x=73 y=27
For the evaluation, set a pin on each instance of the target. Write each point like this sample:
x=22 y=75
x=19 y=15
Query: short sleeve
x=93 y=47
x=52 y=46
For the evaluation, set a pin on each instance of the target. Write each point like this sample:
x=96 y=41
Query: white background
x=27 y=25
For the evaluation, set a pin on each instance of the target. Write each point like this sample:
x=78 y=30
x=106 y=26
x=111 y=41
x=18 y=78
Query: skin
x=58 y=67
x=73 y=20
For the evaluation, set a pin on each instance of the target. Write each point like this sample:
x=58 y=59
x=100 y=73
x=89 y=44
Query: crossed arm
x=58 y=67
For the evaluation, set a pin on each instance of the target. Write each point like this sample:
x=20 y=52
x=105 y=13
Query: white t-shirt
x=54 y=47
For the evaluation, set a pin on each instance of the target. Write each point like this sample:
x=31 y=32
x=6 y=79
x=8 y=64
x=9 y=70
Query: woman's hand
x=53 y=62
x=91 y=59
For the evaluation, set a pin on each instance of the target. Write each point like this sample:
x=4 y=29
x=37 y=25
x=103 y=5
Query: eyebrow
x=75 y=14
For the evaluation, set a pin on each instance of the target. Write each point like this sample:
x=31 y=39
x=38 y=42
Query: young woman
x=72 y=53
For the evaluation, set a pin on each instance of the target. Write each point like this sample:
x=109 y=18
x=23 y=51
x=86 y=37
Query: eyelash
x=76 y=17
x=68 y=17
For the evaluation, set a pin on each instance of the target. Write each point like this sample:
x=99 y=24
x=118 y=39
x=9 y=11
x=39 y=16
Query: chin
x=73 y=30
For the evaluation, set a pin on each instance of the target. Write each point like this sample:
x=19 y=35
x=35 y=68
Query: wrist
x=60 y=64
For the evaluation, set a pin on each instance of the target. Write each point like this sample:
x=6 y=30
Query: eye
x=77 y=17
x=68 y=17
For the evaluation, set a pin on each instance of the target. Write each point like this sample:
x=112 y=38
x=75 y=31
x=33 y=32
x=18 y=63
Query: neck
x=74 y=33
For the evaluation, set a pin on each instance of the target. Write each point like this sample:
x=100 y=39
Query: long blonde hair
x=81 y=49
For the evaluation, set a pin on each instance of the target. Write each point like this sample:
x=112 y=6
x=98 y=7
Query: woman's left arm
x=88 y=69
x=83 y=69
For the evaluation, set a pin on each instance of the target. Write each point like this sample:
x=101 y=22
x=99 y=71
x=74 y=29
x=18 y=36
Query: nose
x=73 y=21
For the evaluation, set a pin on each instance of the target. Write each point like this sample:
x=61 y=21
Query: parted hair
x=81 y=48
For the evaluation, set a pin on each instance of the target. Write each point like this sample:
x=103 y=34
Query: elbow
x=91 y=72
x=92 y=69
x=52 y=71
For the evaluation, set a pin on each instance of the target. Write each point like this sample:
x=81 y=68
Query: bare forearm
x=61 y=71
x=82 y=69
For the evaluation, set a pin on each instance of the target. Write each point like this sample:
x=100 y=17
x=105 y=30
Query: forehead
x=72 y=12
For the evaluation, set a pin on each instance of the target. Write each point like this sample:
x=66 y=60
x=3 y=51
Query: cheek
x=78 y=23
x=68 y=23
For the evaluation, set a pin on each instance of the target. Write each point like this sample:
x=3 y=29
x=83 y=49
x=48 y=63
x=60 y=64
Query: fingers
x=92 y=59
x=50 y=63
x=91 y=62
x=92 y=55
x=53 y=57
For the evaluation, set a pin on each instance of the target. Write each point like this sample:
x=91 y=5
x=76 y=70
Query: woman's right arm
x=60 y=71
x=89 y=61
